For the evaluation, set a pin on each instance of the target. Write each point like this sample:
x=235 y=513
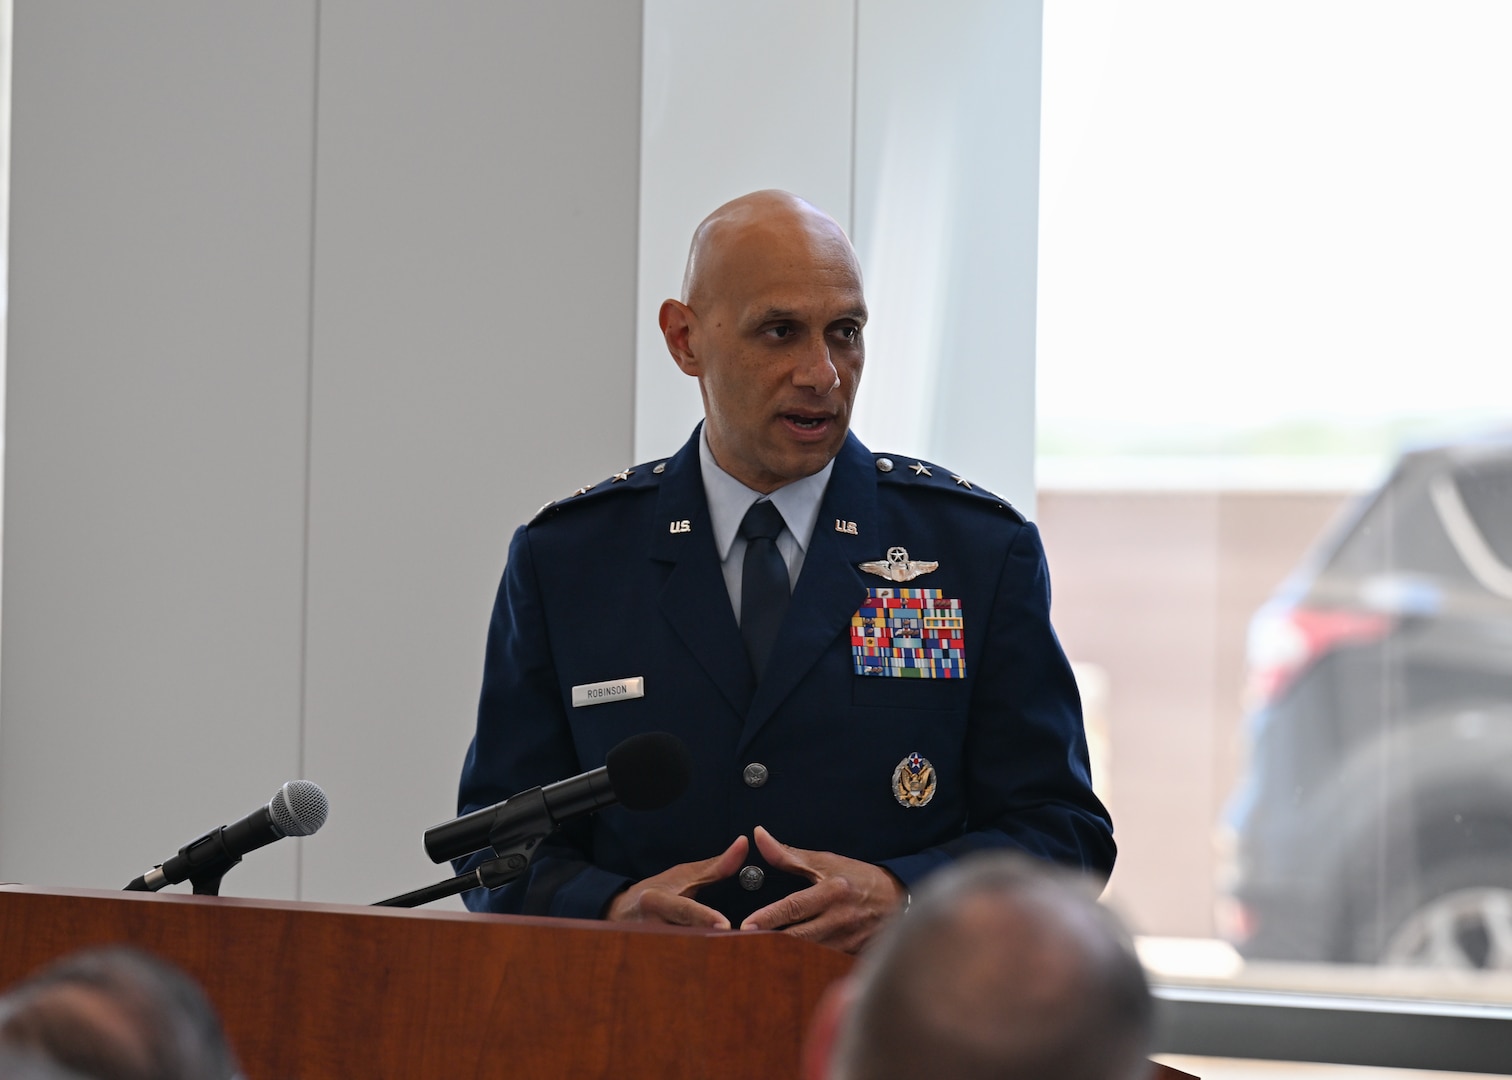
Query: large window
x=1275 y=476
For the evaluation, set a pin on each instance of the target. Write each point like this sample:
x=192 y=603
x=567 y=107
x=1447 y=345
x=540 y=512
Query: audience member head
x=1003 y=968
x=117 y=1013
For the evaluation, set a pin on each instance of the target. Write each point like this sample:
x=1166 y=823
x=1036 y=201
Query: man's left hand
x=848 y=902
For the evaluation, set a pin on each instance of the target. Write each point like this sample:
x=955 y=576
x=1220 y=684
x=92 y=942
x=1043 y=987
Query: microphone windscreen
x=299 y=808
x=649 y=770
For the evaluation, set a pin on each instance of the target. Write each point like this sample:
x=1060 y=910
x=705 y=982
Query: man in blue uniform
x=855 y=647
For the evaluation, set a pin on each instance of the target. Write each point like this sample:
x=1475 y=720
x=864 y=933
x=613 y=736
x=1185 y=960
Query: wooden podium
x=310 y=991
x=313 y=991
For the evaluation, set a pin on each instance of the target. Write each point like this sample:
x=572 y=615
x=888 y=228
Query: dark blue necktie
x=763 y=583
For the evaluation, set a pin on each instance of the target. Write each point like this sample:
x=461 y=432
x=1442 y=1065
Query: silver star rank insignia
x=898 y=566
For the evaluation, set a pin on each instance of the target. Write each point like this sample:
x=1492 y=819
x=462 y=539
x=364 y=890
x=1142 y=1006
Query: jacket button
x=755 y=774
x=751 y=878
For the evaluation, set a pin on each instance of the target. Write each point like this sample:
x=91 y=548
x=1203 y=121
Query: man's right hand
x=668 y=897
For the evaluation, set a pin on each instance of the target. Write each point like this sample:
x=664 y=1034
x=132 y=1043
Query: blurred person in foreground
x=1003 y=968
x=116 y=1013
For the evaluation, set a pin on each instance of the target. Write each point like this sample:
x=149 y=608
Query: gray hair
x=117 y=1013
x=1004 y=968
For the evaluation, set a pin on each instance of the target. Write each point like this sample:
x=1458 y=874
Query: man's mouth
x=806 y=423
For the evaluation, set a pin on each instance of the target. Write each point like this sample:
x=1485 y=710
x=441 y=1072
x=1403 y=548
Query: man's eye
x=780 y=332
x=850 y=333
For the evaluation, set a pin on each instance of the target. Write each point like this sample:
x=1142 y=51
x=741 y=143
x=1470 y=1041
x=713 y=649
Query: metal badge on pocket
x=909 y=633
x=914 y=781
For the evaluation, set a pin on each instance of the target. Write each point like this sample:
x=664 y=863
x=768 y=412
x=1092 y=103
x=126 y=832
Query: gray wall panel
x=155 y=432
x=198 y=429
x=474 y=355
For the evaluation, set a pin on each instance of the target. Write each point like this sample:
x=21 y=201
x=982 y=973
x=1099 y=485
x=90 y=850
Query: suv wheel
x=1457 y=916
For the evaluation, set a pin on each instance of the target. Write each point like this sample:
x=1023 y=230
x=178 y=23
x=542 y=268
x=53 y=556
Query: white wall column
x=917 y=127
x=946 y=220
x=738 y=97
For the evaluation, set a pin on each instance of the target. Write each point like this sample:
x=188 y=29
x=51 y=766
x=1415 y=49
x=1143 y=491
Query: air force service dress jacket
x=893 y=752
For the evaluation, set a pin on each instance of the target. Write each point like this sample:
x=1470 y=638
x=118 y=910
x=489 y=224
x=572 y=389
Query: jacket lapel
x=694 y=598
x=830 y=589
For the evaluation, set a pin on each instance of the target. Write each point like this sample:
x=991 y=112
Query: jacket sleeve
x=1027 y=771
x=523 y=741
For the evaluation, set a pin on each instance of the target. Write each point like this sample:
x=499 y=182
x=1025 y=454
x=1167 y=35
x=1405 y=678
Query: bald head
x=770 y=325
x=746 y=230
x=1003 y=968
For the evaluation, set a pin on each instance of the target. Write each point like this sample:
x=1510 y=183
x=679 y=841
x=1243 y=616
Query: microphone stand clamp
x=514 y=836
x=208 y=860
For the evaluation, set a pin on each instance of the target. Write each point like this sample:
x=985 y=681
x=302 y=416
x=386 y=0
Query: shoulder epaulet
x=636 y=477
x=913 y=473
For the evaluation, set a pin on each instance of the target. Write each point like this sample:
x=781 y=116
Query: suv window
x=1486 y=487
x=1401 y=533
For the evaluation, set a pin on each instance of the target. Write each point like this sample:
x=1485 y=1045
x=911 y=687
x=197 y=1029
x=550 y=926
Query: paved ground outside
x=1234 y=1069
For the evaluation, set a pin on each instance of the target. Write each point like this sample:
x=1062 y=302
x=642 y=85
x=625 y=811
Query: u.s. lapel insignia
x=914 y=781
x=898 y=566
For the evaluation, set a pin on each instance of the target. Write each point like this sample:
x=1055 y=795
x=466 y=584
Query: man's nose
x=817 y=371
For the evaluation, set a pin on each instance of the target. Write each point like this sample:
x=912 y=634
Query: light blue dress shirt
x=729 y=500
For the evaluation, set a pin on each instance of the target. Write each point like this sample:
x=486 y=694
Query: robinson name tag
x=614 y=690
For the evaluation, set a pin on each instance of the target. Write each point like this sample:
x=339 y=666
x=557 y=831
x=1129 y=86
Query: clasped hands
x=844 y=906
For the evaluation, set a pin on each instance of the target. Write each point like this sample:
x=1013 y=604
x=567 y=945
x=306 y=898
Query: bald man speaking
x=856 y=647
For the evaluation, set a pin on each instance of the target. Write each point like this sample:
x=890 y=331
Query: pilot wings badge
x=898 y=566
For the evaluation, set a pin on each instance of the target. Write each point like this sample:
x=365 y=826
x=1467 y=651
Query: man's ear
x=824 y=1030
x=677 y=320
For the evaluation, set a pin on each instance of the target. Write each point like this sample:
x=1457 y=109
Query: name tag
x=615 y=690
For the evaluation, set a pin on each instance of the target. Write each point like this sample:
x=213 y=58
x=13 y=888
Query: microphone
x=298 y=808
x=644 y=772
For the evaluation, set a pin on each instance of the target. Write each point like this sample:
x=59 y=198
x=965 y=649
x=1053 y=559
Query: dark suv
x=1374 y=822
